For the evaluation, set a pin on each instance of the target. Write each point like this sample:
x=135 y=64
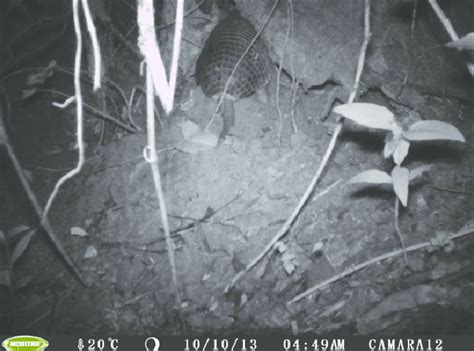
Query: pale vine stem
x=157 y=83
x=309 y=190
x=43 y=214
x=294 y=81
x=425 y=245
x=279 y=70
x=444 y=20
x=449 y=28
x=397 y=228
x=78 y=95
x=48 y=228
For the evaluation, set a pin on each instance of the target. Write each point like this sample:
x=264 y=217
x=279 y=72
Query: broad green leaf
x=400 y=176
x=369 y=115
x=466 y=42
x=401 y=151
x=418 y=171
x=22 y=246
x=372 y=176
x=433 y=130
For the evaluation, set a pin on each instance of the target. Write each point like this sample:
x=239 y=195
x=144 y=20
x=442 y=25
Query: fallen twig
x=416 y=247
x=309 y=190
x=95 y=111
x=116 y=87
x=4 y=140
x=454 y=191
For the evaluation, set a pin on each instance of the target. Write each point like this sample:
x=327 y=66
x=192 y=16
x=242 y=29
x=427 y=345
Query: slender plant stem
x=397 y=228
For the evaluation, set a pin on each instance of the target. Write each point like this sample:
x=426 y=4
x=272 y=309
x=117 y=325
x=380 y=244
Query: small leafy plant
x=6 y=268
x=397 y=146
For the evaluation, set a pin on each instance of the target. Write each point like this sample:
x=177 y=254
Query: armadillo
x=222 y=50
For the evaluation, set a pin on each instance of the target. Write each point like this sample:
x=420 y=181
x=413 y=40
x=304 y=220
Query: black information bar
x=234 y=343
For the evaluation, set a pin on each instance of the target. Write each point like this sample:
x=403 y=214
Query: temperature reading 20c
x=97 y=344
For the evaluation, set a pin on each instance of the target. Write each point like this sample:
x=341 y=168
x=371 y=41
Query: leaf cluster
x=397 y=143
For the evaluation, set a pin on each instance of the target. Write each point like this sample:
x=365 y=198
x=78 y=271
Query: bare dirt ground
x=225 y=205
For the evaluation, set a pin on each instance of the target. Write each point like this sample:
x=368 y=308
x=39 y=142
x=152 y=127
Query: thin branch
x=186 y=14
x=294 y=82
x=95 y=44
x=79 y=112
x=413 y=19
x=287 y=225
x=449 y=28
x=152 y=157
x=155 y=74
x=376 y=260
x=444 y=20
x=65 y=70
x=454 y=191
x=280 y=68
x=95 y=111
x=4 y=140
x=397 y=228
x=124 y=38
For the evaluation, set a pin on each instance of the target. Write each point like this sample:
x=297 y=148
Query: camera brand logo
x=25 y=343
